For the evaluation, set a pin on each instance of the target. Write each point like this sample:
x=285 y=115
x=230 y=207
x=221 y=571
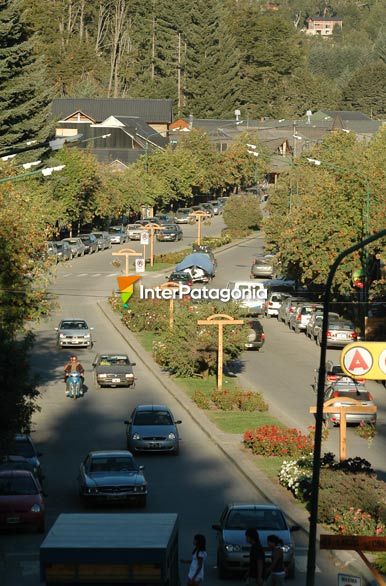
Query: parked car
x=111 y=476
x=340 y=333
x=76 y=245
x=262 y=267
x=90 y=242
x=315 y=323
x=254 y=295
x=24 y=447
x=288 y=307
x=134 y=231
x=273 y=304
x=335 y=375
x=182 y=216
x=203 y=249
x=353 y=392
x=117 y=235
x=113 y=370
x=152 y=428
x=201 y=209
x=300 y=317
x=232 y=547
x=180 y=277
x=63 y=251
x=16 y=463
x=103 y=239
x=161 y=220
x=217 y=208
x=207 y=207
x=223 y=200
x=169 y=233
x=52 y=251
x=21 y=500
x=73 y=332
x=256 y=336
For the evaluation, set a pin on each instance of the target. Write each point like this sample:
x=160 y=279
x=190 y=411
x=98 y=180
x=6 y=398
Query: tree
x=366 y=90
x=242 y=212
x=24 y=97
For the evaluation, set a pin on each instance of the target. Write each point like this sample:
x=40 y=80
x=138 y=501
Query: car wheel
x=142 y=501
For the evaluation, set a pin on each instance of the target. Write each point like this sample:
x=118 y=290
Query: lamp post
x=127 y=253
x=220 y=320
x=152 y=228
x=199 y=216
x=255 y=154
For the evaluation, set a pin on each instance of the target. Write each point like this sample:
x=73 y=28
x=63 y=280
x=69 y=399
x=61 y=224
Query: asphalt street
x=196 y=484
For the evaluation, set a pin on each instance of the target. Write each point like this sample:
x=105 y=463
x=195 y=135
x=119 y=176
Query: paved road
x=197 y=484
x=284 y=369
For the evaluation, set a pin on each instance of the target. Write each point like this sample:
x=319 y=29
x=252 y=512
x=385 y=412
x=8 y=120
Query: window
x=112 y=464
x=261 y=519
x=152 y=418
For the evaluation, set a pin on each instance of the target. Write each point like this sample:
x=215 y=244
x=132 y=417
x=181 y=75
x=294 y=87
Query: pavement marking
x=96 y=275
x=82 y=275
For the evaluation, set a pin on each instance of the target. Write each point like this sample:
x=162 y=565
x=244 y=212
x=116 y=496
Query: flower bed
x=271 y=440
x=230 y=400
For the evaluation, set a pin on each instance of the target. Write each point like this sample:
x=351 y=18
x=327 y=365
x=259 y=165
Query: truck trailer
x=114 y=548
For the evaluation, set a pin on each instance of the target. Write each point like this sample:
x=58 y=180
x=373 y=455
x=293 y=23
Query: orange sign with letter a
x=364 y=360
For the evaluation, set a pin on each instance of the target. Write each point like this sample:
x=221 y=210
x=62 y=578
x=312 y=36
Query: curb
x=233 y=452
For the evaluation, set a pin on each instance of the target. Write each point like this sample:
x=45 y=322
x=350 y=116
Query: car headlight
x=102 y=375
x=129 y=375
x=172 y=436
x=62 y=335
x=35 y=509
x=287 y=548
x=88 y=336
x=233 y=548
x=92 y=490
x=143 y=488
x=136 y=436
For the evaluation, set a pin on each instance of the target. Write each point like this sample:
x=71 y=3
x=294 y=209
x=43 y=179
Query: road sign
x=139 y=265
x=144 y=238
x=364 y=360
x=346 y=580
x=353 y=542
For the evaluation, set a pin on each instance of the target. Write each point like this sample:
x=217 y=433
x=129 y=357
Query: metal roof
x=153 y=111
x=347 y=114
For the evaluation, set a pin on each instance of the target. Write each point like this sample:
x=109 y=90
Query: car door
x=83 y=472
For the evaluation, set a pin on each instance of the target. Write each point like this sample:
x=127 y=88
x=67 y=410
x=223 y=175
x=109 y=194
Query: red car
x=21 y=500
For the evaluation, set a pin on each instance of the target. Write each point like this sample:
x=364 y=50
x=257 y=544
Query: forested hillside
x=212 y=56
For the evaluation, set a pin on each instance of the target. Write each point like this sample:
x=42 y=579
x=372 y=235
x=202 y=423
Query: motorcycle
x=74 y=385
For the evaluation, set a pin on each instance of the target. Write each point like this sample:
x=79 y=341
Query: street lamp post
x=220 y=320
x=127 y=253
x=152 y=228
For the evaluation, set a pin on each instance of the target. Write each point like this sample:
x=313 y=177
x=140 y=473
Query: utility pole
x=153 y=49
x=179 y=74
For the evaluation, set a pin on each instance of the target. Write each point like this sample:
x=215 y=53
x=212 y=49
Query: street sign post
x=139 y=265
x=127 y=253
x=346 y=580
x=144 y=238
x=364 y=360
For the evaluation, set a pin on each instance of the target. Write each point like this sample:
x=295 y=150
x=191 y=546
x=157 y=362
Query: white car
x=134 y=231
x=273 y=303
x=251 y=295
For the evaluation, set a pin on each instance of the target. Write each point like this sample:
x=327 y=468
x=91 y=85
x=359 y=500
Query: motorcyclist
x=73 y=365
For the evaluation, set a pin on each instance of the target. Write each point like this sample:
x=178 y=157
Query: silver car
x=152 y=428
x=340 y=394
x=134 y=231
x=111 y=476
x=103 y=239
x=339 y=334
x=232 y=546
x=117 y=235
x=74 y=332
x=76 y=245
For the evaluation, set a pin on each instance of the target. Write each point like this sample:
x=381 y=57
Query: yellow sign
x=364 y=360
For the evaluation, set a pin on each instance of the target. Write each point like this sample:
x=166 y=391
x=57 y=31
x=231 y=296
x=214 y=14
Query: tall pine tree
x=24 y=98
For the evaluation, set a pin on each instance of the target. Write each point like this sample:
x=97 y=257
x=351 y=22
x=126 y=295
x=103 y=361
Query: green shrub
x=172 y=257
x=201 y=400
x=252 y=401
x=235 y=233
x=380 y=562
x=225 y=400
x=242 y=212
x=151 y=315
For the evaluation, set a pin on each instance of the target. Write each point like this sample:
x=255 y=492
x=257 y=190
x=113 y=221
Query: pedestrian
x=276 y=571
x=197 y=563
x=255 y=575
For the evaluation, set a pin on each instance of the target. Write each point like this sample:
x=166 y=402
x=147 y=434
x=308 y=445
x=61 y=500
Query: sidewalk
x=231 y=447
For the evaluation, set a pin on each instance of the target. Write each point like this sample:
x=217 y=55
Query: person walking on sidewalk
x=276 y=570
x=256 y=559
x=197 y=563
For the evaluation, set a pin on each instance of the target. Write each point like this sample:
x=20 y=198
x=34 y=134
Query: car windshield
x=17 y=486
x=23 y=448
x=59 y=246
x=98 y=234
x=113 y=360
x=115 y=230
x=153 y=418
x=73 y=325
x=112 y=464
x=72 y=240
x=260 y=519
x=183 y=211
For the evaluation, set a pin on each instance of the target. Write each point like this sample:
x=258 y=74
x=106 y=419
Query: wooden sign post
x=358 y=543
x=170 y=286
x=220 y=320
x=349 y=406
x=152 y=228
x=200 y=216
x=127 y=253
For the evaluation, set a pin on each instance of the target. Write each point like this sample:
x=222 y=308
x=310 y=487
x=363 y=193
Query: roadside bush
x=235 y=233
x=172 y=257
x=357 y=522
x=296 y=475
x=251 y=401
x=217 y=241
x=201 y=399
x=225 y=400
x=150 y=315
x=271 y=440
x=242 y=212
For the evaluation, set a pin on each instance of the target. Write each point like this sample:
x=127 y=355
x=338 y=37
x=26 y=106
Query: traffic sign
x=144 y=238
x=139 y=265
x=364 y=360
x=346 y=580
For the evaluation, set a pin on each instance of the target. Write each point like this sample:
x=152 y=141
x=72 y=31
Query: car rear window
x=260 y=519
x=343 y=326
